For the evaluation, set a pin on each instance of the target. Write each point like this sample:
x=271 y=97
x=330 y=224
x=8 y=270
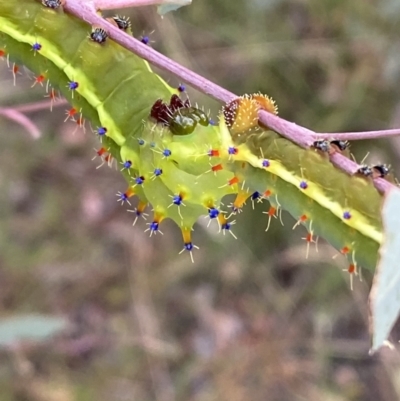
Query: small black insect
x=365 y=171
x=323 y=146
x=53 y=3
x=340 y=145
x=380 y=170
x=99 y=35
x=376 y=171
x=123 y=23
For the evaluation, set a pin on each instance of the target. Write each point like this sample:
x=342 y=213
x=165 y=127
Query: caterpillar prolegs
x=172 y=155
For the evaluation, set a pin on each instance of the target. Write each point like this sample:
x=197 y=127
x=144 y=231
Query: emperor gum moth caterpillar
x=173 y=156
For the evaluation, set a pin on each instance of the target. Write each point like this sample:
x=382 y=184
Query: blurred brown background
x=251 y=319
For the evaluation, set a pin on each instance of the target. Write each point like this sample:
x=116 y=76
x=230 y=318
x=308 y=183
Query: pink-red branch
x=300 y=135
x=354 y=136
x=41 y=105
x=114 y=4
x=22 y=120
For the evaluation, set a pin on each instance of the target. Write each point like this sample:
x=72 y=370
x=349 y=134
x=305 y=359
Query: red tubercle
x=213 y=153
x=2 y=53
x=108 y=158
x=271 y=213
x=52 y=95
x=345 y=250
x=100 y=152
x=352 y=268
x=105 y=158
x=309 y=237
x=71 y=112
x=267 y=193
x=15 y=71
x=233 y=181
x=217 y=167
x=80 y=121
x=39 y=80
x=302 y=219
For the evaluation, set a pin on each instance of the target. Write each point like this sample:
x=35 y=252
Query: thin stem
x=41 y=105
x=299 y=135
x=354 y=136
x=114 y=4
x=22 y=120
x=350 y=167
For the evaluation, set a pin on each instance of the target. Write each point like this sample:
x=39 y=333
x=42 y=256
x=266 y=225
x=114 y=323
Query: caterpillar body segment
x=329 y=185
x=357 y=247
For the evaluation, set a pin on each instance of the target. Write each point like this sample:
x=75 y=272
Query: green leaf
x=172 y=5
x=385 y=292
x=29 y=327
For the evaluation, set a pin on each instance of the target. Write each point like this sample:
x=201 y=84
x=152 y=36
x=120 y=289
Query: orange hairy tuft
x=241 y=114
x=266 y=103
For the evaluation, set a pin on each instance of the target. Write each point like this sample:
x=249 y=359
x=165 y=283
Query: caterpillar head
x=179 y=115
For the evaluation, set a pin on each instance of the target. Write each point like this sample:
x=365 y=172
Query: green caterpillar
x=172 y=155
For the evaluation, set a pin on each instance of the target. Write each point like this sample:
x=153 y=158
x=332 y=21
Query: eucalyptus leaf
x=385 y=292
x=29 y=327
x=172 y=6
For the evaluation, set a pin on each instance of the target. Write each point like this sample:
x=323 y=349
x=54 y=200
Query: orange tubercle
x=158 y=217
x=222 y=219
x=130 y=192
x=141 y=207
x=265 y=102
x=187 y=235
x=240 y=199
